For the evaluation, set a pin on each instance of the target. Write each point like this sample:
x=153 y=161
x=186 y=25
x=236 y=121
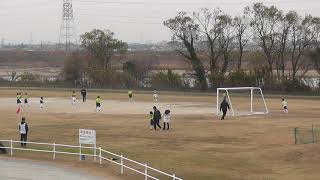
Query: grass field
x=199 y=146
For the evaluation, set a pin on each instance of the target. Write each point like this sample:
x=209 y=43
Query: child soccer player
x=26 y=102
x=41 y=103
x=285 y=105
x=130 y=94
x=98 y=104
x=155 y=96
x=73 y=98
x=18 y=103
x=151 y=120
x=19 y=98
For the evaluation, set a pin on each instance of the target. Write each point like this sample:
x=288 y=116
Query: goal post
x=251 y=111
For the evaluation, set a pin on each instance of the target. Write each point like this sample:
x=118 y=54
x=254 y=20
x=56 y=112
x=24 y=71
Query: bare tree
x=241 y=25
x=185 y=34
x=265 y=21
x=315 y=58
x=286 y=23
x=304 y=33
x=210 y=28
x=226 y=41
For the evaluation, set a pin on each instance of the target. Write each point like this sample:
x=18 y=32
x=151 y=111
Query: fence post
x=145 y=172
x=174 y=177
x=121 y=162
x=95 y=153
x=313 y=137
x=80 y=152
x=100 y=159
x=54 y=150
x=295 y=135
x=11 y=146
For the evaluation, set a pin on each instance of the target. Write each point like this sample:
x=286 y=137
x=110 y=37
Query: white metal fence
x=96 y=153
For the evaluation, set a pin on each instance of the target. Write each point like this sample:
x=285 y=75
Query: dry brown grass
x=197 y=147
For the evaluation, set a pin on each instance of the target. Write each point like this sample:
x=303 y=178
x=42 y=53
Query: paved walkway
x=29 y=170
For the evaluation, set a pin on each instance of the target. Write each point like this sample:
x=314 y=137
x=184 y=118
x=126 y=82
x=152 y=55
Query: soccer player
x=98 y=104
x=224 y=107
x=26 y=102
x=130 y=94
x=84 y=94
x=285 y=106
x=41 y=103
x=155 y=96
x=73 y=98
x=19 y=99
x=18 y=103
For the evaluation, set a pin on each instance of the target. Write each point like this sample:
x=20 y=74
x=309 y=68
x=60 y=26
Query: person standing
x=166 y=119
x=98 y=104
x=224 y=107
x=156 y=118
x=151 y=120
x=285 y=106
x=23 y=128
x=26 y=102
x=41 y=104
x=84 y=94
x=73 y=98
x=18 y=103
x=130 y=94
x=155 y=96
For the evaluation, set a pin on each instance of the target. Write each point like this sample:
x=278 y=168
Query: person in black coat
x=84 y=94
x=156 y=118
x=224 y=107
x=2 y=149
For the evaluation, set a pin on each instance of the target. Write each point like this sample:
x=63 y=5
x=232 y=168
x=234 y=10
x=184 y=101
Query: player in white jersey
x=155 y=96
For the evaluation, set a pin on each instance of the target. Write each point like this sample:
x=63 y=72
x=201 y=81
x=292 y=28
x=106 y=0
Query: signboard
x=87 y=136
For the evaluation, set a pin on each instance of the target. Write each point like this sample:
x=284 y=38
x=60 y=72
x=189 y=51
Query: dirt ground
x=198 y=146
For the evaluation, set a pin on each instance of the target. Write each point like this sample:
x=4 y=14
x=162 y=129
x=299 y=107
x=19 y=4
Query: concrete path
x=29 y=170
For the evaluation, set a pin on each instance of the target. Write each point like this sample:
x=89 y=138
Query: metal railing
x=118 y=160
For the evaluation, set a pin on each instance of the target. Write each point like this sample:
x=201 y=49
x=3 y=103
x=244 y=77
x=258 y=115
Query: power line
x=93 y=2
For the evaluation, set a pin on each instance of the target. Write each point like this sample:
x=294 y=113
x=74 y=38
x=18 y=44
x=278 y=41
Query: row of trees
x=215 y=44
x=214 y=41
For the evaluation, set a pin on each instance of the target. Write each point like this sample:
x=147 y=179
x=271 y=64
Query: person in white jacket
x=166 y=119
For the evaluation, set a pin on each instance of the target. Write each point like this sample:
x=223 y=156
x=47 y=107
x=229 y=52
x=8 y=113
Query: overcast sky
x=131 y=20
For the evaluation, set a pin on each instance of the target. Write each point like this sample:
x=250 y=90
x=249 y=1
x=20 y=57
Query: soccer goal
x=243 y=100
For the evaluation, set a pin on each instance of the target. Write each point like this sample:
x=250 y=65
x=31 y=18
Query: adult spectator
x=84 y=94
x=156 y=118
x=23 y=128
x=224 y=107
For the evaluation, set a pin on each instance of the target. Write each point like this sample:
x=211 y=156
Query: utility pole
x=66 y=29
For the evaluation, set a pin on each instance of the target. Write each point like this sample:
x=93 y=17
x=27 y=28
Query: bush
x=167 y=80
x=240 y=78
x=296 y=85
x=29 y=78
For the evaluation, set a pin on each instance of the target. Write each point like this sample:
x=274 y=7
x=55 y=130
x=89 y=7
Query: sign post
x=87 y=136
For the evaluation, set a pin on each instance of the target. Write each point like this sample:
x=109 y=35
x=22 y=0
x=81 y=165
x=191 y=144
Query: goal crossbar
x=251 y=99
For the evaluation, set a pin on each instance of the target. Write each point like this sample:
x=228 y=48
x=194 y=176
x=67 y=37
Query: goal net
x=242 y=100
